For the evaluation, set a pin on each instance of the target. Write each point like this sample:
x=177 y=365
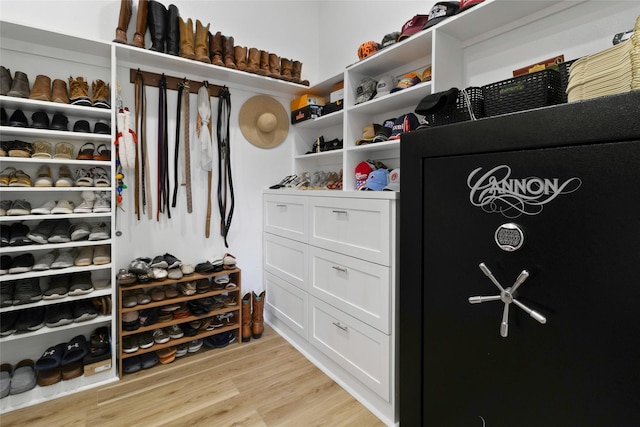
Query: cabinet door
x=286 y=259
x=358 y=348
x=286 y=303
x=286 y=216
x=357 y=287
x=357 y=227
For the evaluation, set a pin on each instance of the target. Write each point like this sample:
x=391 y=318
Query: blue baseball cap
x=377 y=180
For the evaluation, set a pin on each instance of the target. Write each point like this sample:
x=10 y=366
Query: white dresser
x=330 y=274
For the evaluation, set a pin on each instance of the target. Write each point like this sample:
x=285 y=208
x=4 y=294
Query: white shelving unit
x=34 y=51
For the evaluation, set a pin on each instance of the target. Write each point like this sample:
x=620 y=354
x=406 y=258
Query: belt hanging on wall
x=163 y=152
x=226 y=200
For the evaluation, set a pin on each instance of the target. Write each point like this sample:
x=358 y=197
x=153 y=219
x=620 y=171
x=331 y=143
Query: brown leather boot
x=257 y=317
x=253 y=64
x=41 y=89
x=229 y=53
x=241 y=57
x=123 y=22
x=296 y=72
x=19 y=85
x=186 y=39
x=141 y=24
x=274 y=66
x=59 y=91
x=202 y=42
x=285 y=69
x=246 y=317
x=264 y=63
x=215 y=48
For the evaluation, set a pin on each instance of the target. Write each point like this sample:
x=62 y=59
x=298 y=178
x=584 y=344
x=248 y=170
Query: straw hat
x=264 y=121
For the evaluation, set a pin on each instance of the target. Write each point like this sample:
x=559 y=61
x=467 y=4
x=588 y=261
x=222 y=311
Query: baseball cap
x=437 y=101
x=384 y=132
x=366 y=90
x=394 y=181
x=405 y=123
x=426 y=74
x=376 y=180
x=368 y=133
x=466 y=4
x=367 y=49
x=363 y=169
x=412 y=26
x=407 y=80
x=384 y=86
x=389 y=39
x=441 y=11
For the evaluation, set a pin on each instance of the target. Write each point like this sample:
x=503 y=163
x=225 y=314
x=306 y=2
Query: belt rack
x=153 y=79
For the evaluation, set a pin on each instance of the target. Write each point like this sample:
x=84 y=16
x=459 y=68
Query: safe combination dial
x=507 y=297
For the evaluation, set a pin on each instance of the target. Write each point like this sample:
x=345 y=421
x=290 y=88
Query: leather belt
x=225 y=180
x=177 y=148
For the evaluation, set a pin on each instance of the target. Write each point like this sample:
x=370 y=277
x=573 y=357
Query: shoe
x=101 y=95
x=58 y=315
x=64 y=259
x=19 y=120
x=24 y=376
x=172 y=262
x=88 y=200
x=80 y=283
x=19 y=207
x=42 y=150
x=20 y=179
x=167 y=355
x=83 y=178
x=77 y=348
x=43 y=177
x=157 y=24
x=130 y=344
x=5 y=83
x=8 y=323
x=145 y=339
x=159 y=262
x=229 y=261
x=5 y=205
x=19 y=235
x=19 y=85
x=182 y=349
x=7 y=289
x=80 y=231
x=187 y=288
x=51 y=358
x=63 y=207
x=40 y=234
x=59 y=92
x=99 y=231
x=6 y=235
x=60 y=122
x=101 y=255
x=45 y=261
x=63 y=150
x=85 y=256
x=187 y=269
x=5 y=264
x=125 y=277
x=22 y=263
x=102 y=203
x=41 y=89
x=60 y=233
x=102 y=152
x=195 y=345
x=79 y=92
x=174 y=332
x=40 y=120
x=27 y=291
x=83 y=311
x=58 y=287
x=82 y=126
x=45 y=209
x=64 y=177
x=160 y=336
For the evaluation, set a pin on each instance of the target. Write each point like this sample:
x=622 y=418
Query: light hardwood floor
x=264 y=382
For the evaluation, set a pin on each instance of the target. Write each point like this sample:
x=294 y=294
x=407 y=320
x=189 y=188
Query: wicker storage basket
x=459 y=111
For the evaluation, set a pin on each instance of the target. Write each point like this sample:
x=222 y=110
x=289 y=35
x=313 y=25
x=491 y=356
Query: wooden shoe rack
x=234 y=277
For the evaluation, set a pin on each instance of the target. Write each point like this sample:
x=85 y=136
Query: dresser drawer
x=286 y=259
x=286 y=216
x=358 y=348
x=353 y=226
x=286 y=302
x=359 y=288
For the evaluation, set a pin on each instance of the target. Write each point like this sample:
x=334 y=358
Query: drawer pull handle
x=344 y=328
x=281 y=206
x=339 y=212
x=340 y=269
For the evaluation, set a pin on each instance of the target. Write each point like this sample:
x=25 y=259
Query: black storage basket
x=458 y=111
x=563 y=68
x=524 y=92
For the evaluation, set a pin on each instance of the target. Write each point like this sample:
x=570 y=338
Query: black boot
x=173 y=31
x=157 y=23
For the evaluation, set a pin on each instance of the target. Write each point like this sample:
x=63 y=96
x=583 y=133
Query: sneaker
x=60 y=233
x=45 y=261
x=22 y=263
x=85 y=207
x=64 y=177
x=187 y=288
x=5 y=205
x=159 y=262
x=6 y=235
x=130 y=344
x=19 y=234
x=58 y=287
x=30 y=319
x=45 y=209
x=80 y=231
x=81 y=283
x=83 y=178
x=27 y=291
x=182 y=349
x=172 y=262
x=101 y=255
x=19 y=207
x=64 y=259
x=83 y=311
x=63 y=207
x=43 y=177
x=102 y=203
x=145 y=339
x=85 y=256
x=175 y=332
x=7 y=289
x=195 y=345
x=100 y=231
x=40 y=234
x=5 y=264
x=160 y=336
x=58 y=315
x=8 y=323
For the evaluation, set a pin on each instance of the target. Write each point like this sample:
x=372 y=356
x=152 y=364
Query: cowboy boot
x=173 y=31
x=285 y=69
x=257 y=318
x=253 y=64
x=241 y=57
x=186 y=38
x=59 y=92
x=296 y=72
x=229 y=53
x=141 y=24
x=246 y=317
x=274 y=66
x=264 y=63
x=157 y=22
x=215 y=48
x=123 y=22
x=41 y=88
x=201 y=42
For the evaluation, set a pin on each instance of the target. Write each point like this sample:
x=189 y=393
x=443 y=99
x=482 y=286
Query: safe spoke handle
x=479 y=299
x=537 y=316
